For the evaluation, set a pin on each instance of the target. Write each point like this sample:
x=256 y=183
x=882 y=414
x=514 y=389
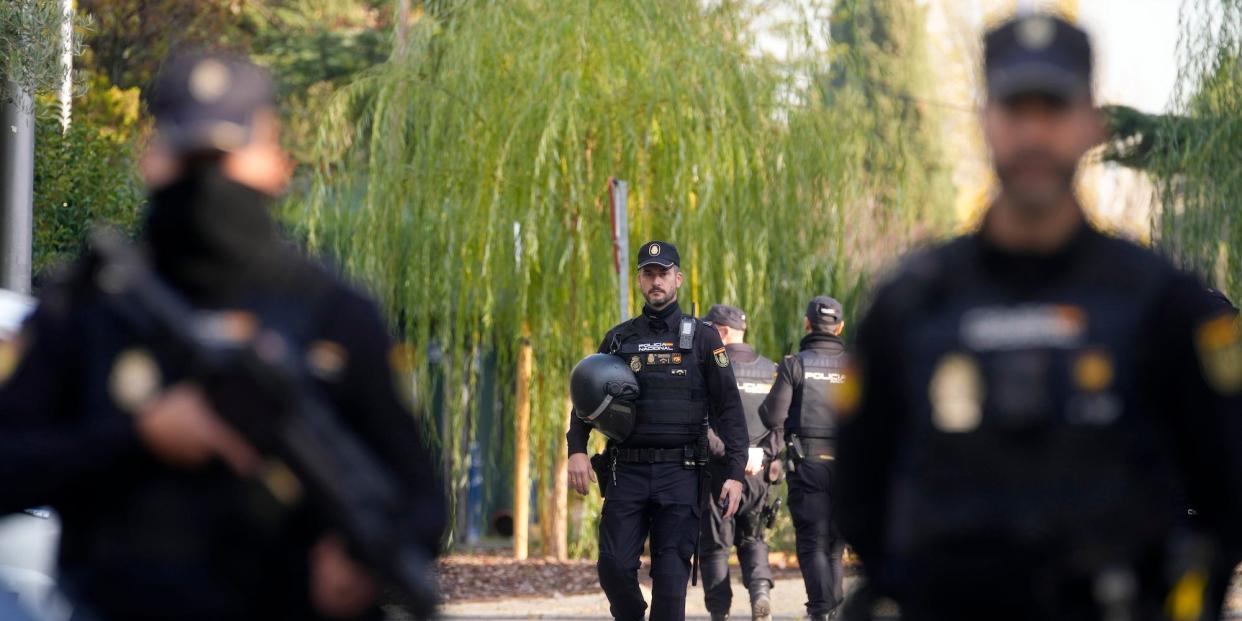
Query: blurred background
x=454 y=158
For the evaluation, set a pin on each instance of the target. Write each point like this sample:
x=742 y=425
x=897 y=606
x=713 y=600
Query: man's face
x=262 y=164
x=1036 y=142
x=659 y=284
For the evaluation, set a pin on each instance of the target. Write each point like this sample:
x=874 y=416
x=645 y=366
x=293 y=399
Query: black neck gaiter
x=212 y=237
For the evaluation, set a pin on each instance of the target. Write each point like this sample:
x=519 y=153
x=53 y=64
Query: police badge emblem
x=636 y=365
x=956 y=394
x=722 y=357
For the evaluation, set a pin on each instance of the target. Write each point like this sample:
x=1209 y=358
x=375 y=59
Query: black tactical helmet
x=603 y=389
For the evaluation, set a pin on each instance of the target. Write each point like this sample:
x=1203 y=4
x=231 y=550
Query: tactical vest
x=810 y=412
x=672 y=401
x=754 y=382
x=1026 y=417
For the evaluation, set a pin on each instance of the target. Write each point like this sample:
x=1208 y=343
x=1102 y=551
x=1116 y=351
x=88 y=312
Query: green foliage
x=134 y=37
x=1193 y=154
x=312 y=47
x=86 y=176
x=465 y=180
x=879 y=76
x=30 y=44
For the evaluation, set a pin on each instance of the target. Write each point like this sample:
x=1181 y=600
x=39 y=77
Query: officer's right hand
x=581 y=475
x=181 y=429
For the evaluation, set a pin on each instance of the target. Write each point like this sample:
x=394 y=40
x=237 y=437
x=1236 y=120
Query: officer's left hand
x=730 y=497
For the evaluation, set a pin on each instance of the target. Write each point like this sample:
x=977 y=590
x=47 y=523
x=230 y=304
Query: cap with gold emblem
x=208 y=103
x=1037 y=54
x=659 y=253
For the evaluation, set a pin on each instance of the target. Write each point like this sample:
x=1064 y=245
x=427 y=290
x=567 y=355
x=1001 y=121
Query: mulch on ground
x=487 y=577
x=496 y=577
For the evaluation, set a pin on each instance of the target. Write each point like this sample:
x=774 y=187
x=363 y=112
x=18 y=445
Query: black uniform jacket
x=141 y=538
x=1075 y=397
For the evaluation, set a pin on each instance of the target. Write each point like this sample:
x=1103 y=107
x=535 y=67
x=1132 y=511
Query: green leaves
x=30 y=44
x=465 y=180
x=86 y=176
x=1193 y=154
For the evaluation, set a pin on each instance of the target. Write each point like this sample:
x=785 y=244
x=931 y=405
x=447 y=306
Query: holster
x=794 y=453
x=602 y=465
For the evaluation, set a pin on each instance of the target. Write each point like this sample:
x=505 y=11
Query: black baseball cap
x=728 y=316
x=1037 y=54
x=659 y=253
x=207 y=102
x=824 y=312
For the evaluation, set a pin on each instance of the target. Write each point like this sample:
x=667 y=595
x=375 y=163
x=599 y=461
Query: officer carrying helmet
x=654 y=485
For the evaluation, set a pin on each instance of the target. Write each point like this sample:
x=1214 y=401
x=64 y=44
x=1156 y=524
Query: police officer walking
x=652 y=472
x=163 y=512
x=1038 y=399
x=754 y=375
x=802 y=403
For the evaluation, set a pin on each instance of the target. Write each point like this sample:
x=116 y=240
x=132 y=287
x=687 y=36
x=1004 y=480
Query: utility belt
x=691 y=457
x=799 y=448
x=688 y=455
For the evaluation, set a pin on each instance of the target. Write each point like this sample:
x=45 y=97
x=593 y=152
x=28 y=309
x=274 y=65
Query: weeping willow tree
x=880 y=76
x=465 y=181
x=1194 y=154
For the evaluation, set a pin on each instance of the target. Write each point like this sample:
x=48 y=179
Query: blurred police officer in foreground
x=802 y=403
x=754 y=375
x=157 y=522
x=1038 y=398
x=652 y=476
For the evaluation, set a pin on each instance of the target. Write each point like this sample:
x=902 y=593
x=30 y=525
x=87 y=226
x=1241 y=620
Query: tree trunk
x=558 y=543
x=521 y=452
x=402 y=26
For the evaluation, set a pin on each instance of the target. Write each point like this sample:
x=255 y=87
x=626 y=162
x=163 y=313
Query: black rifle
x=307 y=449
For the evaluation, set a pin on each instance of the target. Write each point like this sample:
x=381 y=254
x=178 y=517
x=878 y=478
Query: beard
x=665 y=298
x=1034 y=198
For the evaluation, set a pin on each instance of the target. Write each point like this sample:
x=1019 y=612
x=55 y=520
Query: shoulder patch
x=1219 y=345
x=722 y=357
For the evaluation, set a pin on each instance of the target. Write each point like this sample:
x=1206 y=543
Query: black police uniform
x=802 y=404
x=754 y=375
x=649 y=489
x=1028 y=425
x=145 y=540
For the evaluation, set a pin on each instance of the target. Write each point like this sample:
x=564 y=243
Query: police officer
x=1036 y=397
x=162 y=517
x=754 y=375
x=686 y=379
x=802 y=403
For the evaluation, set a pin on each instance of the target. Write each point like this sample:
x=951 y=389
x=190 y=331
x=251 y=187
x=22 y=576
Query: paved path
x=788 y=603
